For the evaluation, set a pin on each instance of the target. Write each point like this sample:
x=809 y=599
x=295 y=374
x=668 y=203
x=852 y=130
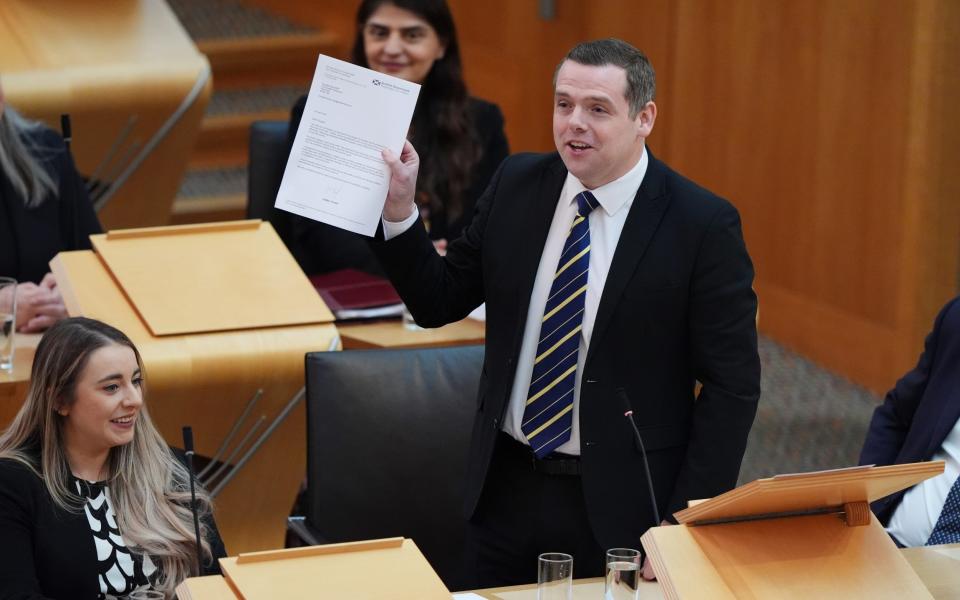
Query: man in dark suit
x=920 y=420
x=601 y=269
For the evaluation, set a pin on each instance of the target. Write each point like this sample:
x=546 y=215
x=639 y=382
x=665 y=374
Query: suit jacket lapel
x=538 y=216
x=642 y=222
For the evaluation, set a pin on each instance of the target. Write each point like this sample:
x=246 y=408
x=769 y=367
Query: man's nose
x=577 y=121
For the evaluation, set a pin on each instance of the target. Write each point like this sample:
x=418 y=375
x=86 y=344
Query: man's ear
x=645 y=119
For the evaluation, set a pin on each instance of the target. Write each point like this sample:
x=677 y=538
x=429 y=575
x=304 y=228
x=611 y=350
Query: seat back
x=267 y=161
x=387 y=439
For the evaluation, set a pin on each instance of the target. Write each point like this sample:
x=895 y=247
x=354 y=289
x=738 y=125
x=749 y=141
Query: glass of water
x=555 y=576
x=623 y=574
x=8 y=322
x=146 y=595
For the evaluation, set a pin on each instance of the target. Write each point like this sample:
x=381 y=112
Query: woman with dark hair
x=460 y=139
x=93 y=503
x=44 y=209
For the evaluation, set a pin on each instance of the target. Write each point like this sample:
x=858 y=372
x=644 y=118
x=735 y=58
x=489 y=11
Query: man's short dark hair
x=641 y=80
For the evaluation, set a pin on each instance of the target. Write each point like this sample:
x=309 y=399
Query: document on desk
x=335 y=173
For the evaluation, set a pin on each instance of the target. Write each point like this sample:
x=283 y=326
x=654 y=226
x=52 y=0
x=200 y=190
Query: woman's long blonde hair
x=20 y=159
x=149 y=487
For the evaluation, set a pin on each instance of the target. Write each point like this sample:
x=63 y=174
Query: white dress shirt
x=615 y=199
x=915 y=517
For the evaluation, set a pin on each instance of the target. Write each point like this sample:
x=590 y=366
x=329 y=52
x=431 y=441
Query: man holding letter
x=602 y=270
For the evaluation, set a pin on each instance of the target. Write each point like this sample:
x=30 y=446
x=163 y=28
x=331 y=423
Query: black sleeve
x=892 y=419
x=217 y=548
x=723 y=345
x=18 y=577
x=321 y=248
x=78 y=219
x=439 y=290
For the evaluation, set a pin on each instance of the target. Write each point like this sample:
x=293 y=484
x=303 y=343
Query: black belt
x=552 y=464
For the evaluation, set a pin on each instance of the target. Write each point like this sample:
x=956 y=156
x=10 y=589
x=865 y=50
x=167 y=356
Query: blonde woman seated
x=93 y=503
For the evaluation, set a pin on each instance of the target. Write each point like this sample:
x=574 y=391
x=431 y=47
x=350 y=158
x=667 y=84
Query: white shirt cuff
x=392 y=229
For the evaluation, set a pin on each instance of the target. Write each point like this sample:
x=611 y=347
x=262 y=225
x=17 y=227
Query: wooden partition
x=121 y=69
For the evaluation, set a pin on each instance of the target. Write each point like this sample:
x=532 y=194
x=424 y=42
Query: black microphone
x=188 y=448
x=65 y=130
x=628 y=413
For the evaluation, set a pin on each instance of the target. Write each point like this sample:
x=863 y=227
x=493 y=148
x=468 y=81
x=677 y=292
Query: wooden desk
x=937 y=566
x=13 y=385
x=583 y=589
x=392 y=334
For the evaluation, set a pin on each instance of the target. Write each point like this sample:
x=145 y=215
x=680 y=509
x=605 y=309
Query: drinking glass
x=555 y=576
x=623 y=574
x=8 y=321
x=146 y=595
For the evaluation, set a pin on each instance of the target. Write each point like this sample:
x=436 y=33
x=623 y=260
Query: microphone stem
x=646 y=467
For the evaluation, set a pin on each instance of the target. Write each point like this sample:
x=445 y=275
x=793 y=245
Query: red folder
x=350 y=289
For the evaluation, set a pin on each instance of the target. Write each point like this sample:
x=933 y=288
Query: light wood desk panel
x=392 y=334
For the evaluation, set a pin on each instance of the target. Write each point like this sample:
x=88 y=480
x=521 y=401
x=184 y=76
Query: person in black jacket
x=93 y=503
x=919 y=420
x=460 y=138
x=44 y=209
x=611 y=282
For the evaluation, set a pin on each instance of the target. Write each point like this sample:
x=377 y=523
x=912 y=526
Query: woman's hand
x=39 y=306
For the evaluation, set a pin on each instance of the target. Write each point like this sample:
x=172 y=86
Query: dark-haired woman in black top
x=460 y=139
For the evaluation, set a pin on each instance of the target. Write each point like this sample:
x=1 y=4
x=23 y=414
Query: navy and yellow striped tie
x=548 y=416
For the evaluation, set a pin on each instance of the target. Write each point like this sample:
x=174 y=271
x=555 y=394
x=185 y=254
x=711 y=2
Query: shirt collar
x=618 y=193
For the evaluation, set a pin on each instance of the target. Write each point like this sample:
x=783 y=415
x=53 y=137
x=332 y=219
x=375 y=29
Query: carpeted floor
x=808 y=418
x=217 y=19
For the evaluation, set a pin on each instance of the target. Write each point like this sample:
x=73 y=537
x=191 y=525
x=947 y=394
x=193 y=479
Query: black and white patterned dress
x=119 y=571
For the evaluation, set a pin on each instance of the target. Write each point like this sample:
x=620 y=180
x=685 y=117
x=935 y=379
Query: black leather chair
x=387 y=439
x=267 y=160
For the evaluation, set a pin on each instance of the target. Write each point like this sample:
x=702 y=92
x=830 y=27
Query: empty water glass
x=555 y=576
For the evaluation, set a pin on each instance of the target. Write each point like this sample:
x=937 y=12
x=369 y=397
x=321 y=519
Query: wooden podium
x=393 y=569
x=809 y=535
x=175 y=291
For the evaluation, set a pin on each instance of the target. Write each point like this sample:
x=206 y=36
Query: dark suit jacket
x=29 y=238
x=677 y=307
x=320 y=248
x=921 y=409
